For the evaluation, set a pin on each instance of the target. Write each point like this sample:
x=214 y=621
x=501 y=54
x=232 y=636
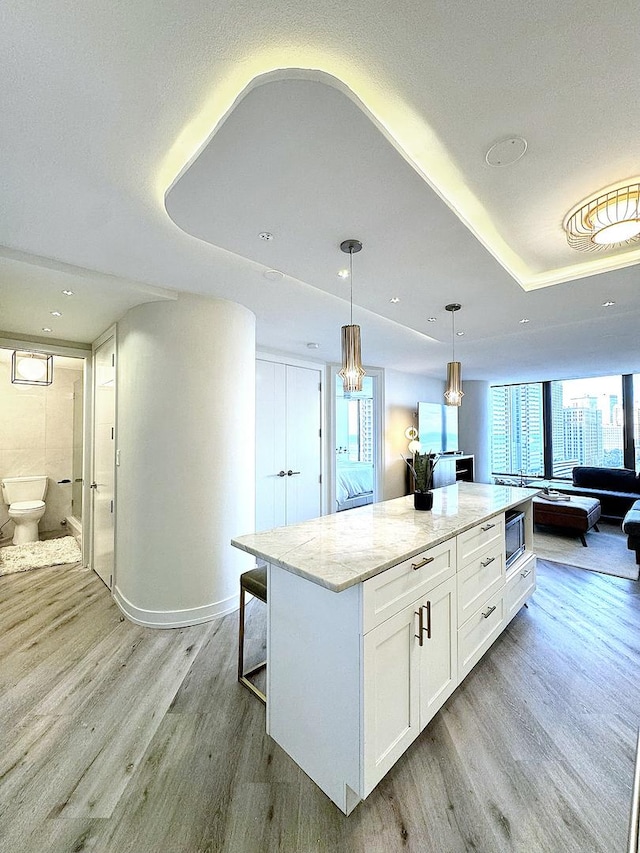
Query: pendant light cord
x=453 y=335
x=351 y=281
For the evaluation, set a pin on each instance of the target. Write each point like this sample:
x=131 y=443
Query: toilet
x=24 y=497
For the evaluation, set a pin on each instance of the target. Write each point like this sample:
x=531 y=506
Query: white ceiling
x=384 y=140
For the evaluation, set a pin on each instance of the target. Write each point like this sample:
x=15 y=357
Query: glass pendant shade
x=31 y=368
x=352 y=372
x=454 y=393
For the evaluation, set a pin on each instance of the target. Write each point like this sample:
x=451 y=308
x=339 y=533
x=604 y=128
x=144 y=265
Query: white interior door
x=270 y=446
x=103 y=473
x=303 y=414
x=288 y=444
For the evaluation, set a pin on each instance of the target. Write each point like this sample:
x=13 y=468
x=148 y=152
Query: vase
x=422 y=500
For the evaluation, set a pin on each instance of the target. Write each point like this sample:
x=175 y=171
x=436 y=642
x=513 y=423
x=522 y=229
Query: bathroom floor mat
x=37 y=555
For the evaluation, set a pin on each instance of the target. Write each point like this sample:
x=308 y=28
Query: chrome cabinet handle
x=418 y=636
x=489 y=612
x=486 y=527
x=526 y=573
x=290 y=473
x=281 y=474
x=487 y=562
x=423 y=562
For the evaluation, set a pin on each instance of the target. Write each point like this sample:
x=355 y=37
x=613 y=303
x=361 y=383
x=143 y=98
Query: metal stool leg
x=242 y=675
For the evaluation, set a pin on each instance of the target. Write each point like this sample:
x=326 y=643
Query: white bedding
x=353 y=481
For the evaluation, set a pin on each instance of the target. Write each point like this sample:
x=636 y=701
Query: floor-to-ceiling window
x=587 y=423
x=517 y=434
x=545 y=429
x=636 y=418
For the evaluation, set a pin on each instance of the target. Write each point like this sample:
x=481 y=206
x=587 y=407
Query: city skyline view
x=587 y=426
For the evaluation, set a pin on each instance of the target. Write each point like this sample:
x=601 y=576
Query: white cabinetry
x=355 y=676
x=409 y=659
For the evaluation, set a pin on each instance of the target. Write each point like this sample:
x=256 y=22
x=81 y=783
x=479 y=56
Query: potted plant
x=422 y=470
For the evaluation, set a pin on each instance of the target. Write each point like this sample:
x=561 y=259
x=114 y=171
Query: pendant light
x=453 y=394
x=352 y=371
x=31 y=368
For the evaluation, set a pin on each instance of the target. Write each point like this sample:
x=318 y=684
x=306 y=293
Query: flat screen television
x=438 y=428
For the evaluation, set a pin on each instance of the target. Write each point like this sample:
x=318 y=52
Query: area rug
x=607 y=551
x=37 y=555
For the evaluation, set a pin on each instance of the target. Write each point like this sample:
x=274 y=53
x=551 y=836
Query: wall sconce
x=31 y=368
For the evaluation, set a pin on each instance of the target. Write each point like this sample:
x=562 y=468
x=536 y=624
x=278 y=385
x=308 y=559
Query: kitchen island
x=375 y=616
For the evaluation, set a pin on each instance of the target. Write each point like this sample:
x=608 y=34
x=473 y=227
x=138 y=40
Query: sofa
x=631 y=526
x=617 y=489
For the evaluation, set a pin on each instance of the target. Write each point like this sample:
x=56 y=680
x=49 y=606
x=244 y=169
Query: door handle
x=486 y=527
x=526 y=573
x=487 y=562
x=281 y=474
x=93 y=485
x=428 y=607
x=418 y=636
x=489 y=612
x=290 y=473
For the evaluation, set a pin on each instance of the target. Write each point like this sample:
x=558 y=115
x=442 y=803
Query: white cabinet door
x=391 y=693
x=439 y=651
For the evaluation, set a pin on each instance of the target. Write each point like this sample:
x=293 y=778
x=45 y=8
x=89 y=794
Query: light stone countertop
x=340 y=550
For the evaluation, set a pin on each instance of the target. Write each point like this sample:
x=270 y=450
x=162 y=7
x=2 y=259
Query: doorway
x=42 y=433
x=356 y=431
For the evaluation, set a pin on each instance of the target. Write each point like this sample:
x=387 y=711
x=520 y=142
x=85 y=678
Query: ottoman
x=571 y=513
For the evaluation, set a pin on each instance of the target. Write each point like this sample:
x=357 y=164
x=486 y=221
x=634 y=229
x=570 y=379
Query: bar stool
x=255 y=583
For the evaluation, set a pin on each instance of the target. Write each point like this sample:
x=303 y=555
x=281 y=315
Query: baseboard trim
x=174 y=618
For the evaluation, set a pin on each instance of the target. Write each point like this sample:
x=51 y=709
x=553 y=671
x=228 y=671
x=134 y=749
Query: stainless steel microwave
x=514 y=536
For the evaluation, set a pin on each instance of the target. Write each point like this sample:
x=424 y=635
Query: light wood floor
x=120 y=739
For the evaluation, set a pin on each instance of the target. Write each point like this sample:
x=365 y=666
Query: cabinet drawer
x=480 y=578
x=473 y=542
x=478 y=632
x=391 y=590
x=519 y=587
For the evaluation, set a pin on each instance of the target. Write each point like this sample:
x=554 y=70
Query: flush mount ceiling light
x=453 y=393
x=352 y=371
x=31 y=368
x=607 y=220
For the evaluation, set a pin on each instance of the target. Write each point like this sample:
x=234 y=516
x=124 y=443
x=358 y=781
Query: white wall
x=186 y=436
x=36 y=437
x=474 y=425
x=402 y=393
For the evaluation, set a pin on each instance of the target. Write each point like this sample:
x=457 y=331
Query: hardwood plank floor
x=120 y=739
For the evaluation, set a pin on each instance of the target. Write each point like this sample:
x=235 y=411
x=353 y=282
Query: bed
x=354 y=485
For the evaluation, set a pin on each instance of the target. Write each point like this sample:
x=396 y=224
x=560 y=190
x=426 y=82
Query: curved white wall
x=186 y=480
x=474 y=427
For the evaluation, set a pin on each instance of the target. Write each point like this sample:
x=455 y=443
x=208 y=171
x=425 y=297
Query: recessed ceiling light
x=265 y=235
x=313 y=345
x=506 y=151
x=343 y=273
x=55 y=313
x=273 y=275
x=431 y=319
x=68 y=292
x=608 y=304
x=459 y=334
x=394 y=300
x=524 y=320
x=46 y=329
